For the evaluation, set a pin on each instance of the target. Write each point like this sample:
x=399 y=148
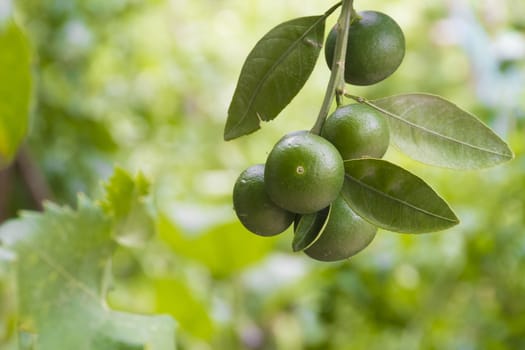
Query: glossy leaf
x=308 y=229
x=435 y=131
x=15 y=89
x=274 y=72
x=394 y=199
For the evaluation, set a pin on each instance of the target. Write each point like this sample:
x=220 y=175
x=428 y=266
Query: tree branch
x=5 y=192
x=34 y=181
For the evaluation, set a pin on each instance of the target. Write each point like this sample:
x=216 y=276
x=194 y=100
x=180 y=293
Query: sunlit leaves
x=175 y=297
x=62 y=258
x=435 y=131
x=273 y=73
x=392 y=198
x=15 y=89
x=8 y=300
x=126 y=331
x=125 y=203
x=224 y=249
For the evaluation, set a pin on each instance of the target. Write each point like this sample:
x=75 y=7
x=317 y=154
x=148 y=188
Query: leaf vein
x=284 y=56
x=65 y=274
x=435 y=133
x=398 y=200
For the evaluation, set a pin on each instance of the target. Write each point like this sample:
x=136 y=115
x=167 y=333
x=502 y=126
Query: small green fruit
x=304 y=173
x=254 y=208
x=375 y=48
x=357 y=131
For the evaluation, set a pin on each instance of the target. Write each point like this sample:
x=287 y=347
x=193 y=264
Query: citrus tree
x=86 y=85
x=306 y=171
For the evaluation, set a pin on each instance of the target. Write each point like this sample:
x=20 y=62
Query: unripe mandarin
x=357 y=131
x=304 y=173
x=254 y=208
x=375 y=48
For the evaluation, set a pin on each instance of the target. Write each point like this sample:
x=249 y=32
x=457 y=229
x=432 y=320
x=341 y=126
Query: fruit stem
x=336 y=84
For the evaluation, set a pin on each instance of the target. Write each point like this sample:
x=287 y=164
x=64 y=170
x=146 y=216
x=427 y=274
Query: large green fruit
x=357 y=131
x=304 y=173
x=254 y=208
x=376 y=47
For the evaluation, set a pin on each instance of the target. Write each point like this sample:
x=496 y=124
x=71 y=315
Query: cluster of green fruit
x=330 y=182
x=302 y=178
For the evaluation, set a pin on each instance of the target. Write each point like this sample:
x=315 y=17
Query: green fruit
x=343 y=235
x=357 y=131
x=376 y=47
x=304 y=173
x=254 y=208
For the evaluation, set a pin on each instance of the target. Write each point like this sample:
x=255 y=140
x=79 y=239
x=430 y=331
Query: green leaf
x=224 y=249
x=435 y=131
x=15 y=89
x=125 y=202
x=274 y=72
x=175 y=298
x=134 y=332
x=63 y=256
x=308 y=229
x=394 y=199
x=8 y=300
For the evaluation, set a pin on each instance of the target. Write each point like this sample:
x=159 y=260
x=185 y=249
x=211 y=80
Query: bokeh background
x=145 y=85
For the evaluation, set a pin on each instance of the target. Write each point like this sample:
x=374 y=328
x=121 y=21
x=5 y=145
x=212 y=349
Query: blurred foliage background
x=146 y=85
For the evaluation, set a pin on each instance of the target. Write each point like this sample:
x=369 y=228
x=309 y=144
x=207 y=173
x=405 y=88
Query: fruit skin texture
x=357 y=131
x=254 y=208
x=345 y=234
x=376 y=47
x=304 y=172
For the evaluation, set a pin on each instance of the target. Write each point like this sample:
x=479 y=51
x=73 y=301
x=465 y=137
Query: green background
x=146 y=85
